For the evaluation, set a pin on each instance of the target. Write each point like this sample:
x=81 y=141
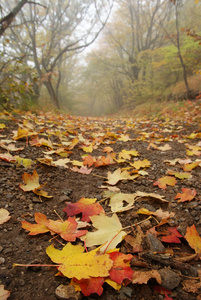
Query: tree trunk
x=188 y=90
x=52 y=93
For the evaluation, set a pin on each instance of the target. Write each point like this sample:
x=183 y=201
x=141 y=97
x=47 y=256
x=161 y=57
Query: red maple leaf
x=88 y=207
x=91 y=286
x=120 y=269
x=171 y=236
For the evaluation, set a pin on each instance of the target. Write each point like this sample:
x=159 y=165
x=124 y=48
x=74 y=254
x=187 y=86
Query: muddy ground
x=63 y=184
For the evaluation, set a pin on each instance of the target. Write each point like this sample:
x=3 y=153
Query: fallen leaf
x=42 y=193
x=190 y=167
x=7 y=157
x=108 y=149
x=118 y=175
x=187 y=195
x=88 y=160
x=142 y=277
x=141 y=164
x=87 y=148
x=10 y=147
x=193 y=238
x=83 y=170
x=165 y=147
x=4 y=294
x=191 y=286
x=67 y=229
x=121 y=268
x=117 y=201
x=88 y=207
x=154 y=196
x=109 y=232
x=135 y=242
x=73 y=262
x=180 y=175
x=31 y=182
x=127 y=154
x=25 y=162
x=23 y=132
x=171 y=236
x=4 y=215
x=93 y=285
x=61 y=162
x=164 y=181
x=40 y=227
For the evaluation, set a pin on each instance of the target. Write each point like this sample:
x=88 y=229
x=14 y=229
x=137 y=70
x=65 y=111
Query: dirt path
x=66 y=185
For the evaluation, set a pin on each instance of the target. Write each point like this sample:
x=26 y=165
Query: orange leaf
x=86 y=206
x=193 y=238
x=88 y=160
x=108 y=149
x=141 y=277
x=31 y=182
x=67 y=230
x=187 y=195
x=164 y=181
x=40 y=227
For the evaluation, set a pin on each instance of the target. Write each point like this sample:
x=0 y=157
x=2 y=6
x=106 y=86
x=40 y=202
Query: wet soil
x=63 y=184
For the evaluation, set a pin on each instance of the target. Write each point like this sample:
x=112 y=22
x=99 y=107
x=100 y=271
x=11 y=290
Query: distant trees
x=51 y=34
x=144 y=53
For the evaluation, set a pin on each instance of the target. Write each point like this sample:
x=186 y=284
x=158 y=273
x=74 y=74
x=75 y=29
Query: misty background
x=91 y=57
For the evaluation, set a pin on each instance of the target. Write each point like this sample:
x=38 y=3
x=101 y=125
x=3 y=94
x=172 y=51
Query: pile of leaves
x=107 y=240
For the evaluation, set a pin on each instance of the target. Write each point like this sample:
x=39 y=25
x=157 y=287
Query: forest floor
x=172 y=142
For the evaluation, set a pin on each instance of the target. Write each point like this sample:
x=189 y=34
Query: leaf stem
x=58 y=215
x=34 y=265
x=136 y=223
x=99 y=176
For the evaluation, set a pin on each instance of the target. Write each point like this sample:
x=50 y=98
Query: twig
x=99 y=176
x=137 y=223
x=58 y=215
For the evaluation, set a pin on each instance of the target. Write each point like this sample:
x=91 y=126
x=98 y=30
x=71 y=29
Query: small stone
x=8 y=250
x=170 y=279
x=21 y=282
x=36 y=200
x=154 y=243
x=1 y=248
x=146 y=224
x=67 y=192
x=2 y=260
x=64 y=198
x=63 y=292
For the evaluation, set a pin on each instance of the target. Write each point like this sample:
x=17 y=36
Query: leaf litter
x=101 y=259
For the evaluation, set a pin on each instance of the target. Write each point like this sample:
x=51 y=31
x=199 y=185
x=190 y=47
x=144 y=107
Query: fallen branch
x=165 y=260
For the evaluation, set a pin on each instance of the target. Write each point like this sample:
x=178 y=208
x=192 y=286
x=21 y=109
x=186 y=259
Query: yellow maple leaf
x=116 y=201
x=113 y=178
x=75 y=263
x=109 y=232
x=141 y=164
x=193 y=238
x=126 y=154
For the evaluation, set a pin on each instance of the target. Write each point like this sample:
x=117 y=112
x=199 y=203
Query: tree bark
x=188 y=90
x=8 y=19
x=52 y=93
